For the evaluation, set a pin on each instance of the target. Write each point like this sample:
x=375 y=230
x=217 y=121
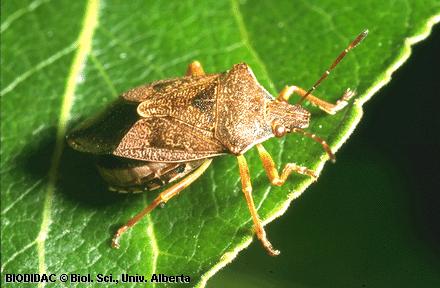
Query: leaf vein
x=43 y=64
x=17 y=253
x=20 y=13
x=22 y=195
x=154 y=246
x=246 y=41
x=104 y=74
x=84 y=46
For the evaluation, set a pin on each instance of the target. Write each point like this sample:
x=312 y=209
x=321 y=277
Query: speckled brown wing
x=166 y=139
x=164 y=89
x=190 y=99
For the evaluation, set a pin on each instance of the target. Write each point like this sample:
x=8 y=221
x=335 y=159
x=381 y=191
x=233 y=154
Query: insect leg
x=247 y=190
x=162 y=198
x=271 y=170
x=195 y=69
x=330 y=108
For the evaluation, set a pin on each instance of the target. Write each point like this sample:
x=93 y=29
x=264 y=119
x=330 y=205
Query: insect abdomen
x=134 y=176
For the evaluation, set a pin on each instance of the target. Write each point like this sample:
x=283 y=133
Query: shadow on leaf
x=77 y=178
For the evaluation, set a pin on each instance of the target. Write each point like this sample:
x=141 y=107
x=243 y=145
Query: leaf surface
x=64 y=60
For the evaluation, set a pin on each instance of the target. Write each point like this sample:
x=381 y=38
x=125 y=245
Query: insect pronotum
x=172 y=129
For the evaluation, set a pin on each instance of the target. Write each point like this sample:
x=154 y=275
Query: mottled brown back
x=241 y=116
x=197 y=117
x=190 y=99
x=167 y=139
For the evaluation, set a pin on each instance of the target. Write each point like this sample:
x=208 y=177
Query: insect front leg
x=195 y=69
x=328 y=107
x=323 y=105
x=271 y=170
x=162 y=198
x=247 y=190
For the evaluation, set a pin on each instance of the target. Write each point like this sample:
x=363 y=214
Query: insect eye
x=279 y=130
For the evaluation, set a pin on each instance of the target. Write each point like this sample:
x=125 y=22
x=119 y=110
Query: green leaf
x=64 y=60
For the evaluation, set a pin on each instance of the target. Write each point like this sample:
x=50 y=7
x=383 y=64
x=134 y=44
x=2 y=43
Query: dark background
x=372 y=219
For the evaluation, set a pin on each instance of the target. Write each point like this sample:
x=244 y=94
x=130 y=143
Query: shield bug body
x=171 y=129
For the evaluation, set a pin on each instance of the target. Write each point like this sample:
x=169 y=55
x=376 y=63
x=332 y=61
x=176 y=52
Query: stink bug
x=170 y=129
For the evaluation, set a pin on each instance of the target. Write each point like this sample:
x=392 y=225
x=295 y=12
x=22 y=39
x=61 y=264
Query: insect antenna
x=321 y=141
x=353 y=44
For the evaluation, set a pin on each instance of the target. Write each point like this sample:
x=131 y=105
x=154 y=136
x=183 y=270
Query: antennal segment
x=353 y=44
x=321 y=141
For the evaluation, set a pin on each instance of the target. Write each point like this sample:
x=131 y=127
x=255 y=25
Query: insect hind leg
x=162 y=198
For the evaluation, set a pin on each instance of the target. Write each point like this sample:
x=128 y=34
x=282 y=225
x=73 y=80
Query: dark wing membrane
x=101 y=134
x=166 y=139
